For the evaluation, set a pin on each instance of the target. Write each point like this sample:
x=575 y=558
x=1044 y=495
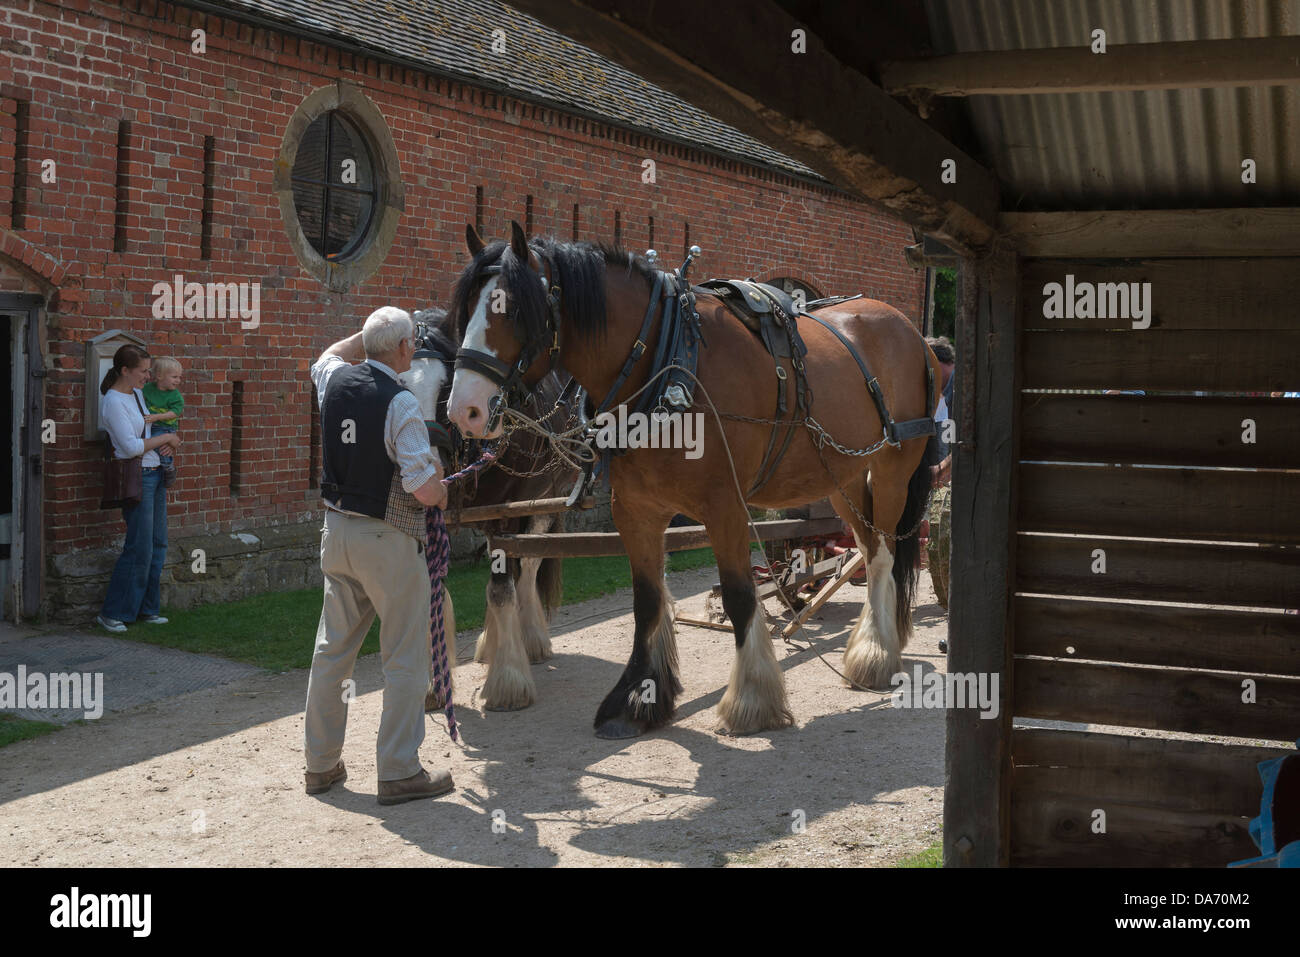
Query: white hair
x=385 y=329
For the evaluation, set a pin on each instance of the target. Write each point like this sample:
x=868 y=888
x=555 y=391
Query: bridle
x=509 y=377
x=439 y=434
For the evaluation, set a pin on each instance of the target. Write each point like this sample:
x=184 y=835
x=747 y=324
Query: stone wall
x=234 y=565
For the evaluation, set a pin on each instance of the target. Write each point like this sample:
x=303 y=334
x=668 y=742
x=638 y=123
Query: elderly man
x=379 y=475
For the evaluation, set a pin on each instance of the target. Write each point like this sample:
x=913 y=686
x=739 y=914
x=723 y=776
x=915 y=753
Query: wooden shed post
x=976 y=822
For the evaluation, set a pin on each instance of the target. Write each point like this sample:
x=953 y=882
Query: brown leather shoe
x=318 y=782
x=415 y=787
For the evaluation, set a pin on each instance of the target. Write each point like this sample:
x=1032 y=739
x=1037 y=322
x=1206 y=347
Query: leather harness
x=773 y=314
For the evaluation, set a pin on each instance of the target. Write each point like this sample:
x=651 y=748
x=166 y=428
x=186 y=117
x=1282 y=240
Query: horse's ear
x=473 y=240
x=518 y=241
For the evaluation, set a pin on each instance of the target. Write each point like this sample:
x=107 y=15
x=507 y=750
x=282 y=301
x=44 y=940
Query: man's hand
x=941 y=474
x=432 y=494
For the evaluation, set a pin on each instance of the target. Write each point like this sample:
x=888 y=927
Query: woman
x=133 y=589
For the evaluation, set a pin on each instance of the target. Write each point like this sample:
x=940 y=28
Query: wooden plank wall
x=1158 y=552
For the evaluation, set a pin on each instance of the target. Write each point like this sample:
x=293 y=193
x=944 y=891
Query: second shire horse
x=600 y=312
x=522 y=595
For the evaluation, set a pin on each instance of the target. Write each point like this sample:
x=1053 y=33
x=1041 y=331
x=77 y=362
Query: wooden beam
x=535 y=506
x=1189 y=64
x=822 y=597
x=808 y=105
x=588 y=544
x=1125 y=233
x=977 y=764
x=702 y=623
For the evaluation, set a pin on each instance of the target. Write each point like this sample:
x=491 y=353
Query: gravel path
x=214 y=777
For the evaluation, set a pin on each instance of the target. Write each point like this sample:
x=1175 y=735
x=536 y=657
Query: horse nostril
x=474 y=414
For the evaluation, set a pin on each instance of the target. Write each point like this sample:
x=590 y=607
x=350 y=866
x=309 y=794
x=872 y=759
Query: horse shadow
x=742 y=796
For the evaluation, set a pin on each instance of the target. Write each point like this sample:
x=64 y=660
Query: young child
x=165 y=403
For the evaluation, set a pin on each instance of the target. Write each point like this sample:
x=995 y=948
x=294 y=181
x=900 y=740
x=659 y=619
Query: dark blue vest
x=357 y=475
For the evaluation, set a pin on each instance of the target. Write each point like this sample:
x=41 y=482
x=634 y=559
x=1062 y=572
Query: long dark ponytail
x=127 y=357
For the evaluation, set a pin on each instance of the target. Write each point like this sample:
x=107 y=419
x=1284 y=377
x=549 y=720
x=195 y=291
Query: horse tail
x=550 y=584
x=907 y=547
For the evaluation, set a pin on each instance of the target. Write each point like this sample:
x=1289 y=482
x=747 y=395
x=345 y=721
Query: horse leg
x=874 y=650
x=646 y=692
x=509 y=686
x=755 y=698
x=487 y=642
x=532 y=616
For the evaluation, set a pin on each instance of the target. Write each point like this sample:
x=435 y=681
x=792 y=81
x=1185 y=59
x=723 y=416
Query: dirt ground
x=215 y=777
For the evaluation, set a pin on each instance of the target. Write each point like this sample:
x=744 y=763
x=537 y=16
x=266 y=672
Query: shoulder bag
x=123 y=478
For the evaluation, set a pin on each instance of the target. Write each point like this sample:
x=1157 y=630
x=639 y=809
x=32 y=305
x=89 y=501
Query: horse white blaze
x=873 y=653
x=467 y=406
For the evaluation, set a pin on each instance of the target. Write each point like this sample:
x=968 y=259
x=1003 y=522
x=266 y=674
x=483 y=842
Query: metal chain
x=551 y=458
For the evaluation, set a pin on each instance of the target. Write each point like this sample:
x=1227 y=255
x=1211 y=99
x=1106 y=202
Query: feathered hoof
x=537 y=646
x=870 y=666
x=750 y=711
x=508 y=689
x=616 y=728
x=481 y=653
x=433 y=701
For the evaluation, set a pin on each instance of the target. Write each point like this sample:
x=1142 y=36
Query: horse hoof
x=506 y=707
x=616 y=728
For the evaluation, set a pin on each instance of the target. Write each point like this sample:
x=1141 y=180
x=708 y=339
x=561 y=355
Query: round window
x=334 y=191
x=339 y=185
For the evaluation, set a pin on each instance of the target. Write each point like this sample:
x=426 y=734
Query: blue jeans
x=164 y=453
x=133 y=589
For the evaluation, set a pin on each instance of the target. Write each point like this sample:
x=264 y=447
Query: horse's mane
x=441 y=330
x=577 y=268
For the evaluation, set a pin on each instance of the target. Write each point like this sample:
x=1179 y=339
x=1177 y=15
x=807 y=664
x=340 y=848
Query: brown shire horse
x=501 y=303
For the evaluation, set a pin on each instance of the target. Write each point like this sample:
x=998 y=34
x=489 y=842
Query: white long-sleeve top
x=406 y=438
x=122 y=419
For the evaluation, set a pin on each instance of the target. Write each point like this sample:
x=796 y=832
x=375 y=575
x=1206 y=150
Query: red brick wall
x=84 y=65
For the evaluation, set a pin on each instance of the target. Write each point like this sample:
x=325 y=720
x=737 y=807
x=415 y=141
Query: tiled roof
x=454 y=38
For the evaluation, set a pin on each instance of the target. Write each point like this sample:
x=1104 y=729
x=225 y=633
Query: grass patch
x=14 y=728
x=277 y=630
x=930 y=857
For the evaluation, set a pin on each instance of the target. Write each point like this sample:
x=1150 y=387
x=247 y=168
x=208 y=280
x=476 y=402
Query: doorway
x=22 y=370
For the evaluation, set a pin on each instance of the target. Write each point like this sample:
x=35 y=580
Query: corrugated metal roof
x=454 y=38
x=1151 y=149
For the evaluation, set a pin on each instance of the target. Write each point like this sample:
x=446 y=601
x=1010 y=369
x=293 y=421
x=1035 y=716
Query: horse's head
x=430 y=376
x=506 y=310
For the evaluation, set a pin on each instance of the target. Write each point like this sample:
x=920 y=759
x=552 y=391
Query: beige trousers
x=370 y=567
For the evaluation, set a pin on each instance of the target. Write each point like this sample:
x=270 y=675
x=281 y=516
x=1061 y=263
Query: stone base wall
x=235 y=565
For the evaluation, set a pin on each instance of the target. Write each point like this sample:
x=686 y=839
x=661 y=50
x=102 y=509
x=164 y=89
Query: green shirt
x=160 y=401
